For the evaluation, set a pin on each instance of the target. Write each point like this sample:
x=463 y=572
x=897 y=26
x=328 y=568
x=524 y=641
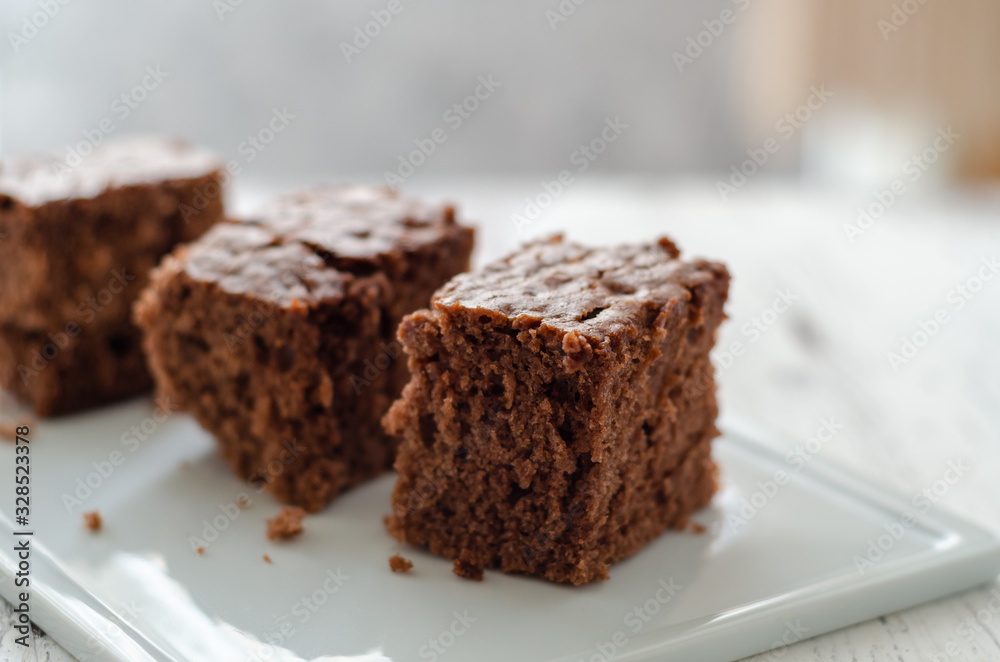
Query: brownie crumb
x=400 y=564
x=242 y=501
x=698 y=528
x=464 y=567
x=287 y=524
x=200 y=551
x=267 y=559
x=93 y=521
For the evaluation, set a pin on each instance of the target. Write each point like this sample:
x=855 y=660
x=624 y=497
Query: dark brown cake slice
x=76 y=246
x=277 y=333
x=560 y=409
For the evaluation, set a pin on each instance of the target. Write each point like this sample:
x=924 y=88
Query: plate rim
x=75 y=617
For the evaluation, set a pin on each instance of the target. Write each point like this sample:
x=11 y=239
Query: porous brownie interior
x=256 y=371
x=98 y=366
x=280 y=338
x=69 y=272
x=65 y=236
x=552 y=444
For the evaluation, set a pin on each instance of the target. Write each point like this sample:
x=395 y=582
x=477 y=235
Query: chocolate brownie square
x=560 y=409
x=277 y=332
x=76 y=245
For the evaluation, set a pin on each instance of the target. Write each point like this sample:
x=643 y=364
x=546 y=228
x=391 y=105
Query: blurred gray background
x=698 y=84
x=228 y=65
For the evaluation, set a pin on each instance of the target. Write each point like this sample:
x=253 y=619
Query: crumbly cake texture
x=92 y=521
x=466 y=566
x=398 y=563
x=278 y=333
x=560 y=410
x=77 y=242
x=287 y=524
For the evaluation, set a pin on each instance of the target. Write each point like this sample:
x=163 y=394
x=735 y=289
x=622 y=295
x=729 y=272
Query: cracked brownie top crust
x=279 y=255
x=243 y=259
x=568 y=287
x=36 y=180
x=355 y=222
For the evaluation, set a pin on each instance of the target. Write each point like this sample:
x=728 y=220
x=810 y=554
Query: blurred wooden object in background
x=930 y=63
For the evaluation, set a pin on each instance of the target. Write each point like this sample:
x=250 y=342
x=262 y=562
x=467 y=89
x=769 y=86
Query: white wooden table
x=826 y=356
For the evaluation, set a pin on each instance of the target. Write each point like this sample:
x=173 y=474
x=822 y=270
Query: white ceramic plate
x=783 y=569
